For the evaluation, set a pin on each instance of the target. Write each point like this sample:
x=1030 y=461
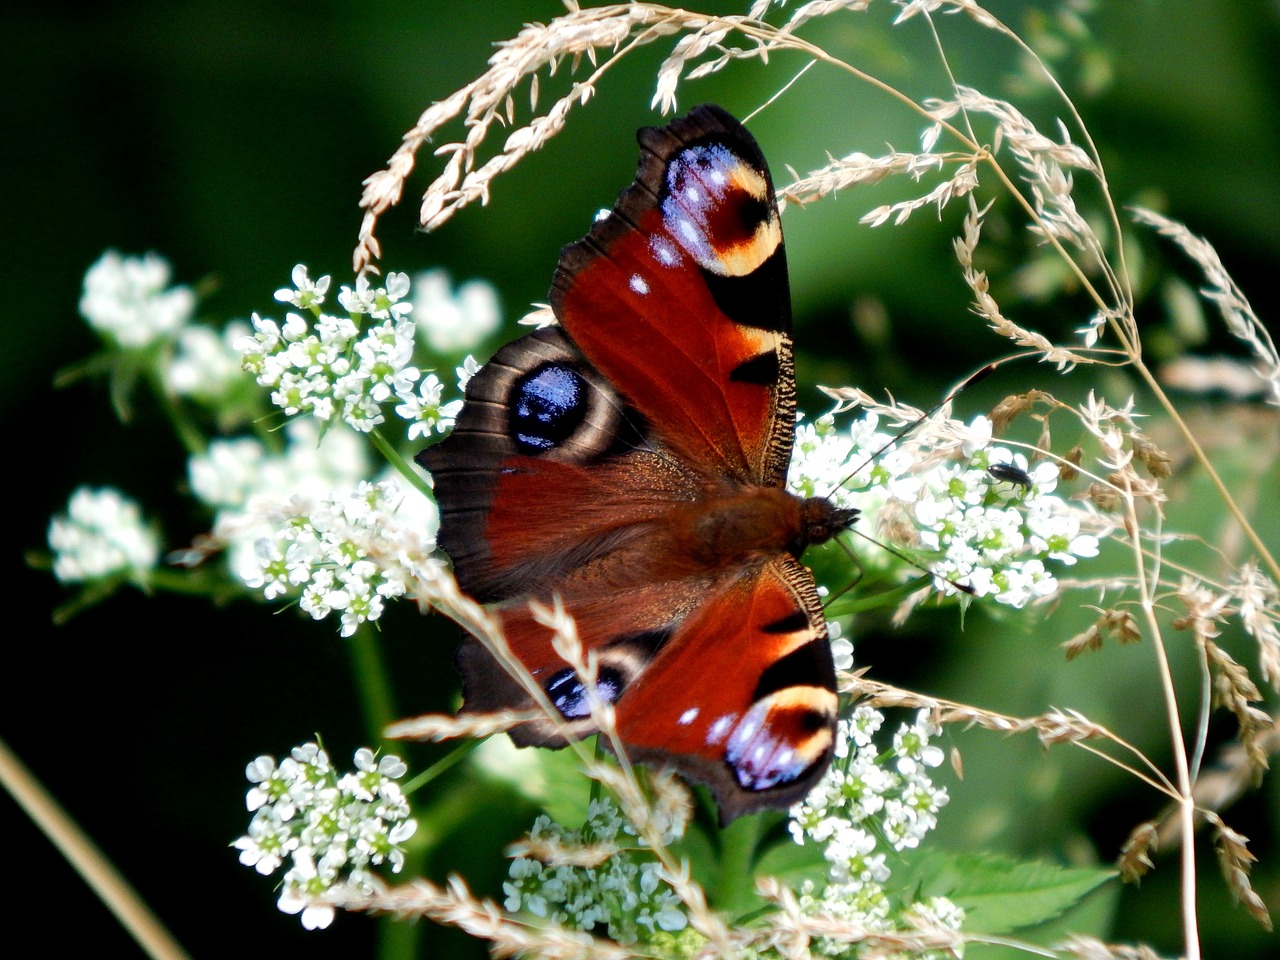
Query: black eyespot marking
x=547 y=406
x=570 y=696
x=752 y=211
x=811 y=721
x=761 y=370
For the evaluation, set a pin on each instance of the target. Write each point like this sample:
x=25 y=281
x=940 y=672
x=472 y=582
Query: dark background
x=232 y=138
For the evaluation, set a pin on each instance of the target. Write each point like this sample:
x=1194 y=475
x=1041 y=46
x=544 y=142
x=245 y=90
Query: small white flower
x=977 y=436
x=206 y=365
x=129 y=300
x=265 y=846
x=305 y=293
x=469 y=368
x=261 y=771
x=302 y=883
x=842 y=653
x=424 y=411
x=361 y=299
x=1058 y=536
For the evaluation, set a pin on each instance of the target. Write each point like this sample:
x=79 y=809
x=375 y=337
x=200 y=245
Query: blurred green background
x=232 y=138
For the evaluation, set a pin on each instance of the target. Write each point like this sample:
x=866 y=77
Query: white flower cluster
x=346 y=555
x=129 y=300
x=861 y=796
x=972 y=526
x=330 y=828
x=626 y=892
x=346 y=367
x=242 y=475
x=995 y=535
x=102 y=535
x=303 y=522
x=867 y=802
x=292 y=511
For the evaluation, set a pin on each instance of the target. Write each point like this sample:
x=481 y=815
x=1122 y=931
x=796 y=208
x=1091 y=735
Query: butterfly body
x=632 y=462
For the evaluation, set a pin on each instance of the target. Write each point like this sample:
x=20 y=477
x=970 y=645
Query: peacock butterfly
x=632 y=461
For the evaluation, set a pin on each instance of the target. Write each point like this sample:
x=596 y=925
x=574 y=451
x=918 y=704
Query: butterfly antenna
x=853 y=558
x=832 y=598
x=979 y=374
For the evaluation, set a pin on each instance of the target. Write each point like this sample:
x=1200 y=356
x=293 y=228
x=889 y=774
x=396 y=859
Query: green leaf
x=550 y=779
x=1001 y=895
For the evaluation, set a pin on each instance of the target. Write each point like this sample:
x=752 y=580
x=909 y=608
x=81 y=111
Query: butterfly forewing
x=680 y=299
x=545 y=470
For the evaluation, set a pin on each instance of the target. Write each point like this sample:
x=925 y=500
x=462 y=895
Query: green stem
x=193 y=440
x=402 y=466
x=738 y=844
x=444 y=764
x=91 y=595
x=197 y=582
x=876 y=601
x=372 y=681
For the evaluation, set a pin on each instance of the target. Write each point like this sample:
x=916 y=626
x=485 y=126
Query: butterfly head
x=822 y=520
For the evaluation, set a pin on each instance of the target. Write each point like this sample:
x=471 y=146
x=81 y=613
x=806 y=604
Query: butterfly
x=631 y=461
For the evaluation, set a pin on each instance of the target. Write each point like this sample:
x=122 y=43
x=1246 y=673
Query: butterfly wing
x=759 y=726
x=680 y=298
x=729 y=680
x=549 y=480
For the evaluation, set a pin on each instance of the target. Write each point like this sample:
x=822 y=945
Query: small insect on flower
x=1008 y=473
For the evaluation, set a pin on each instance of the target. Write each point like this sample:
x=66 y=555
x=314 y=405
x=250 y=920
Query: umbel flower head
x=967 y=525
x=329 y=828
x=871 y=803
x=336 y=367
x=623 y=891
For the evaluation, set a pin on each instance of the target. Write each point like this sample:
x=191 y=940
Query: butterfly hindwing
x=728 y=679
x=630 y=464
x=759 y=726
